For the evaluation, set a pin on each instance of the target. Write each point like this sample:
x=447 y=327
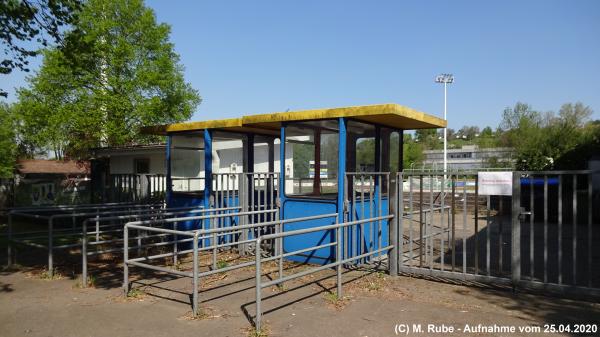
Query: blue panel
x=296 y=208
x=538 y=181
x=207 y=175
x=341 y=165
x=187 y=200
x=231 y=201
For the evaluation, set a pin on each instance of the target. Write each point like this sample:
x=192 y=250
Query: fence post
x=84 y=254
x=258 y=287
x=125 y=259
x=339 y=259
x=9 y=243
x=516 y=231
x=243 y=199
x=393 y=229
x=50 y=249
x=195 y=275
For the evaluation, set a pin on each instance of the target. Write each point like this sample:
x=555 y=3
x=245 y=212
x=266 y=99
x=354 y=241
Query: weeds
x=54 y=275
x=253 y=332
x=135 y=293
x=222 y=264
x=202 y=314
x=334 y=300
x=376 y=283
x=91 y=282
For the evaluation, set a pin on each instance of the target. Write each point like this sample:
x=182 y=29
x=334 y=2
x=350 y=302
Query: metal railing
x=339 y=260
x=541 y=236
x=112 y=233
x=553 y=236
x=364 y=196
x=135 y=187
x=56 y=230
x=213 y=244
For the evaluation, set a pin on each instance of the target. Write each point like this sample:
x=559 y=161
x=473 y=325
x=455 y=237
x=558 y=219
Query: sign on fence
x=495 y=183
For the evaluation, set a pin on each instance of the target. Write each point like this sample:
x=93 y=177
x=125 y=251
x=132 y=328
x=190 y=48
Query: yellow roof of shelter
x=389 y=115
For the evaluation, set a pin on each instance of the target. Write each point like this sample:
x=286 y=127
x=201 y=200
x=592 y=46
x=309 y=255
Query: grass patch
x=222 y=264
x=376 y=283
x=334 y=300
x=136 y=293
x=253 y=332
x=91 y=282
x=54 y=275
x=202 y=314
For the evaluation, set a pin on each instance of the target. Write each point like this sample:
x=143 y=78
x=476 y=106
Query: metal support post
x=516 y=230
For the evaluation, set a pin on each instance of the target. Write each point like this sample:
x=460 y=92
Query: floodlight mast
x=446 y=79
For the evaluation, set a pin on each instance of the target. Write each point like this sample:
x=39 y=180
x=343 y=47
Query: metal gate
x=543 y=236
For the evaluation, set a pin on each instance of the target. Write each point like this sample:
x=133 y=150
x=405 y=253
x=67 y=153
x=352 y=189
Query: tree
x=23 y=21
x=413 y=154
x=116 y=72
x=514 y=118
x=8 y=147
x=487 y=132
x=542 y=141
x=574 y=115
x=469 y=132
x=428 y=138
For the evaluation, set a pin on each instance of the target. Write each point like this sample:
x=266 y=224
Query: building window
x=141 y=166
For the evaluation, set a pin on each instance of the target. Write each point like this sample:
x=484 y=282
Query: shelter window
x=314 y=147
x=362 y=152
x=187 y=162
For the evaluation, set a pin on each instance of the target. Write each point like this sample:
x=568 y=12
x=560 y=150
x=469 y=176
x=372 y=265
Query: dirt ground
x=373 y=305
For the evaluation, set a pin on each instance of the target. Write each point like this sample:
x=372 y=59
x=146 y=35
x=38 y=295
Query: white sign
x=495 y=183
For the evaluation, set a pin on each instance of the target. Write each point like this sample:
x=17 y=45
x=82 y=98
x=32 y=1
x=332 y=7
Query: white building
x=469 y=157
x=187 y=160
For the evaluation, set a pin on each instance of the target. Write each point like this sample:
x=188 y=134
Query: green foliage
x=25 y=21
x=576 y=157
x=542 y=141
x=8 y=147
x=116 y=72
x=469 y=132
x=365 y=153
x=303 y=153
x=222 y=264
x=429 y=138
x=413 y=154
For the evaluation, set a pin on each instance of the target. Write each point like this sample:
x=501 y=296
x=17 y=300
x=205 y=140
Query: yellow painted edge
x=355 y=111
x=200 y=125
x=315 y=114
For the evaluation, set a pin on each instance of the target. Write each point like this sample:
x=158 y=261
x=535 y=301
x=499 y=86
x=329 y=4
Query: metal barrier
x=366 y=196
x=553 y=236
x=57 y=230
x=542 y=236
x=196 y=237
x=116 y=230
x=462 y=235
x=135 y=187
x=425 y=238
x=338 y=263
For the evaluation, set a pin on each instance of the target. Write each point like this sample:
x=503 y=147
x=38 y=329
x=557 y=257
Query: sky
x=247 y=57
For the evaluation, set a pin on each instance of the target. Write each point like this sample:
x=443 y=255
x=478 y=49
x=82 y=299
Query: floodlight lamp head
x=444 y=78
